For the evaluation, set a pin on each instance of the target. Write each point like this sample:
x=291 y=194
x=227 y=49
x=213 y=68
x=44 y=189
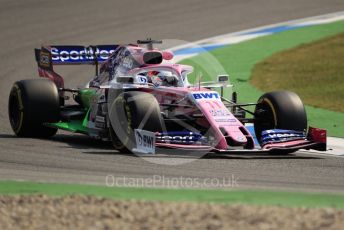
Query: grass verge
x=315 y=71
x=239 y=60
x=288 y=199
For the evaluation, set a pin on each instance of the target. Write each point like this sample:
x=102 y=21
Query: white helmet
x=167 y=79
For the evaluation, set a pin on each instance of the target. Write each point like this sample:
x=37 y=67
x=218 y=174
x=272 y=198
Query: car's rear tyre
x=279 y=110
x=31 y=104
x=129 y=111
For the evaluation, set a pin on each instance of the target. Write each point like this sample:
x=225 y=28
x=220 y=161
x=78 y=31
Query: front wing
x=316 y=139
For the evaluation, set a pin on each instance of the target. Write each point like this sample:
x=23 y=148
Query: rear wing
x=48 y=56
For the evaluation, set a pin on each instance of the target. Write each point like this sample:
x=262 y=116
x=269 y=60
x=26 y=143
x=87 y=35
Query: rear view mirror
x=124 y=79
x=223 y=78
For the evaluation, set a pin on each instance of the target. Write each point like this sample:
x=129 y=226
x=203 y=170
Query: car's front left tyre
x=133 y=110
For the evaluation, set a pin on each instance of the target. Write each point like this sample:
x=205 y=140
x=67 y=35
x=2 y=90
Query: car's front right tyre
x=279 y=110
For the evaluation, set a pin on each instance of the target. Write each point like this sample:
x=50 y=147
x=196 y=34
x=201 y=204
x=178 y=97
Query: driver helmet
x=163 y=78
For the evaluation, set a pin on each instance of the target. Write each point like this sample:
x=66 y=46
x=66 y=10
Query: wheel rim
x=265 y=118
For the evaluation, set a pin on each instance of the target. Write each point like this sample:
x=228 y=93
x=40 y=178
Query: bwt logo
x=212 y=95
x=145 y=141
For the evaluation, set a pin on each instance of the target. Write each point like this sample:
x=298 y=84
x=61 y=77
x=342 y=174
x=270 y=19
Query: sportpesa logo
x=79 y=54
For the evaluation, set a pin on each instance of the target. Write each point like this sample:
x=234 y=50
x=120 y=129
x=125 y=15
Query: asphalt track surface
x=77 y=159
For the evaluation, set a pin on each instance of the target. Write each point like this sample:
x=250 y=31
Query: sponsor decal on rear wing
x=73 y=54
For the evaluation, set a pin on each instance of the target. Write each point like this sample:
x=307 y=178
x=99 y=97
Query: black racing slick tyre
x=129 y=111
x=31 y=104
x=279 y=110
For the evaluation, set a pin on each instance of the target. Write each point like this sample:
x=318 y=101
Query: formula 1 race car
x=139 y=101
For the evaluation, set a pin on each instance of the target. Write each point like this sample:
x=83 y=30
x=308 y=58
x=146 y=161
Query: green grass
x=288 y=199
x=239 y=60
x=314 y=71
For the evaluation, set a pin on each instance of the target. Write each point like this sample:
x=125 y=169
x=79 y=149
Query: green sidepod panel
x=86 y=96
x=76 y=126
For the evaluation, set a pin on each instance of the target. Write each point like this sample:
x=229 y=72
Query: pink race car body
x=137 y=91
